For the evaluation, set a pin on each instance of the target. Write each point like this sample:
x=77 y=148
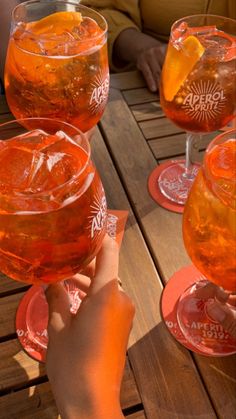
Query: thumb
x=225 y=315
x=58 y=308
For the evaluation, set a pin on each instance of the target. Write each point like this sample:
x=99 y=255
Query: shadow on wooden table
x=24 y=395
x=184 y=385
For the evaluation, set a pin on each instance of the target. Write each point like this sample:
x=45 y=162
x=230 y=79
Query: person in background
x=138 y=30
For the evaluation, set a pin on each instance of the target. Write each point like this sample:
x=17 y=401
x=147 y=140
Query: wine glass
x=57 y=63
x=209 y=232
x=197 y=90
x=52 y=214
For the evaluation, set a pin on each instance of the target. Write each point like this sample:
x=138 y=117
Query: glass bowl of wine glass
x=57 y=63
x=52 y=213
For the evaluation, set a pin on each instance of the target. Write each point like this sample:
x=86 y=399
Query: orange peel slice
x=55 y=23
x=179 y=64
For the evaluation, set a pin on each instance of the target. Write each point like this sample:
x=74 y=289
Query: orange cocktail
x=209 y=232
x=52 y=202
x=197 y=91
x=57 y=63
x=198 y=85
x=209 y=223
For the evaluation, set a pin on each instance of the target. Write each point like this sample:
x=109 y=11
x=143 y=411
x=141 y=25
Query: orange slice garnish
x=179 y=64
x=55 y=23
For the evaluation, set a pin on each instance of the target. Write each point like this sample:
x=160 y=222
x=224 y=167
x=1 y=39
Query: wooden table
x=162 y=379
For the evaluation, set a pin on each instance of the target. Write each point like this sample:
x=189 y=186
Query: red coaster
x=175 y=287
x=155 y=192
x=28 y=341
x=207 y=336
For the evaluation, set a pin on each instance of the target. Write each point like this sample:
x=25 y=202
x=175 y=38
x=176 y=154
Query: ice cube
x=64 y=143
x=87 y=29
x=50 y=170
x=36 y=162
x=60 y=45
x=26 y=40
x=33 y=140
x=15 y=164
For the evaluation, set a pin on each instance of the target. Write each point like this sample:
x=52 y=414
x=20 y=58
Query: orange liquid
x=206 y=100
x=209 y=221
x=58 y=78
x=48 y=235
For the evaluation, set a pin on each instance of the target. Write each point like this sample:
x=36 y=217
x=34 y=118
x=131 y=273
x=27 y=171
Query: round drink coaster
x=206 y=336
x=175 y=287
x=155 y=192
x=34 y=344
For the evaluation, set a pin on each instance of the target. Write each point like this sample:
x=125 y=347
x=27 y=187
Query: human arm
x=144 y=51
x=86 y=352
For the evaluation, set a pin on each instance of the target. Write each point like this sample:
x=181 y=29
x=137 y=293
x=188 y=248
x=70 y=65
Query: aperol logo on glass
x=98 y=216
x=99 y=93
x=205 y=100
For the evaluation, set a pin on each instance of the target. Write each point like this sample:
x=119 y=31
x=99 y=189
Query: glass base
x=173 y=182
x=204 y=334
x=32 y=319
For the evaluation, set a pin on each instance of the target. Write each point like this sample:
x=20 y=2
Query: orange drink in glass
x=197 y=90
x=57 y=63
x=52 y=208
x=209 y=232
x=209 y=224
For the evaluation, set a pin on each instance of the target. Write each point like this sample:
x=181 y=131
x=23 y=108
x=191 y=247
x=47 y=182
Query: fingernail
x=216 y=312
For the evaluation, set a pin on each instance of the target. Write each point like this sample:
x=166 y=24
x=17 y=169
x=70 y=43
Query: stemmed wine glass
x=57 y=63
x=52 y=214
x=197 y=90
x=209 y=232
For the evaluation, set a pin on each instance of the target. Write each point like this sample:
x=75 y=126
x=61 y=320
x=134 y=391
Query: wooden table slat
x=137 y=415
x=127 y=80
x=157 y=128
x=36 y=402
x=147 y=111
x=8 y=306
x=8 y=285
x=138 y=96
x=173 y=145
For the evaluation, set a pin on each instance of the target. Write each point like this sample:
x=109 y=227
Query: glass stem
x=191 y=151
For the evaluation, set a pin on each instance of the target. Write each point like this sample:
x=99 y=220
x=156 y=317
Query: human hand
x=146 y=52
x=150 y=62
x=223 y=308
x=86 y=352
